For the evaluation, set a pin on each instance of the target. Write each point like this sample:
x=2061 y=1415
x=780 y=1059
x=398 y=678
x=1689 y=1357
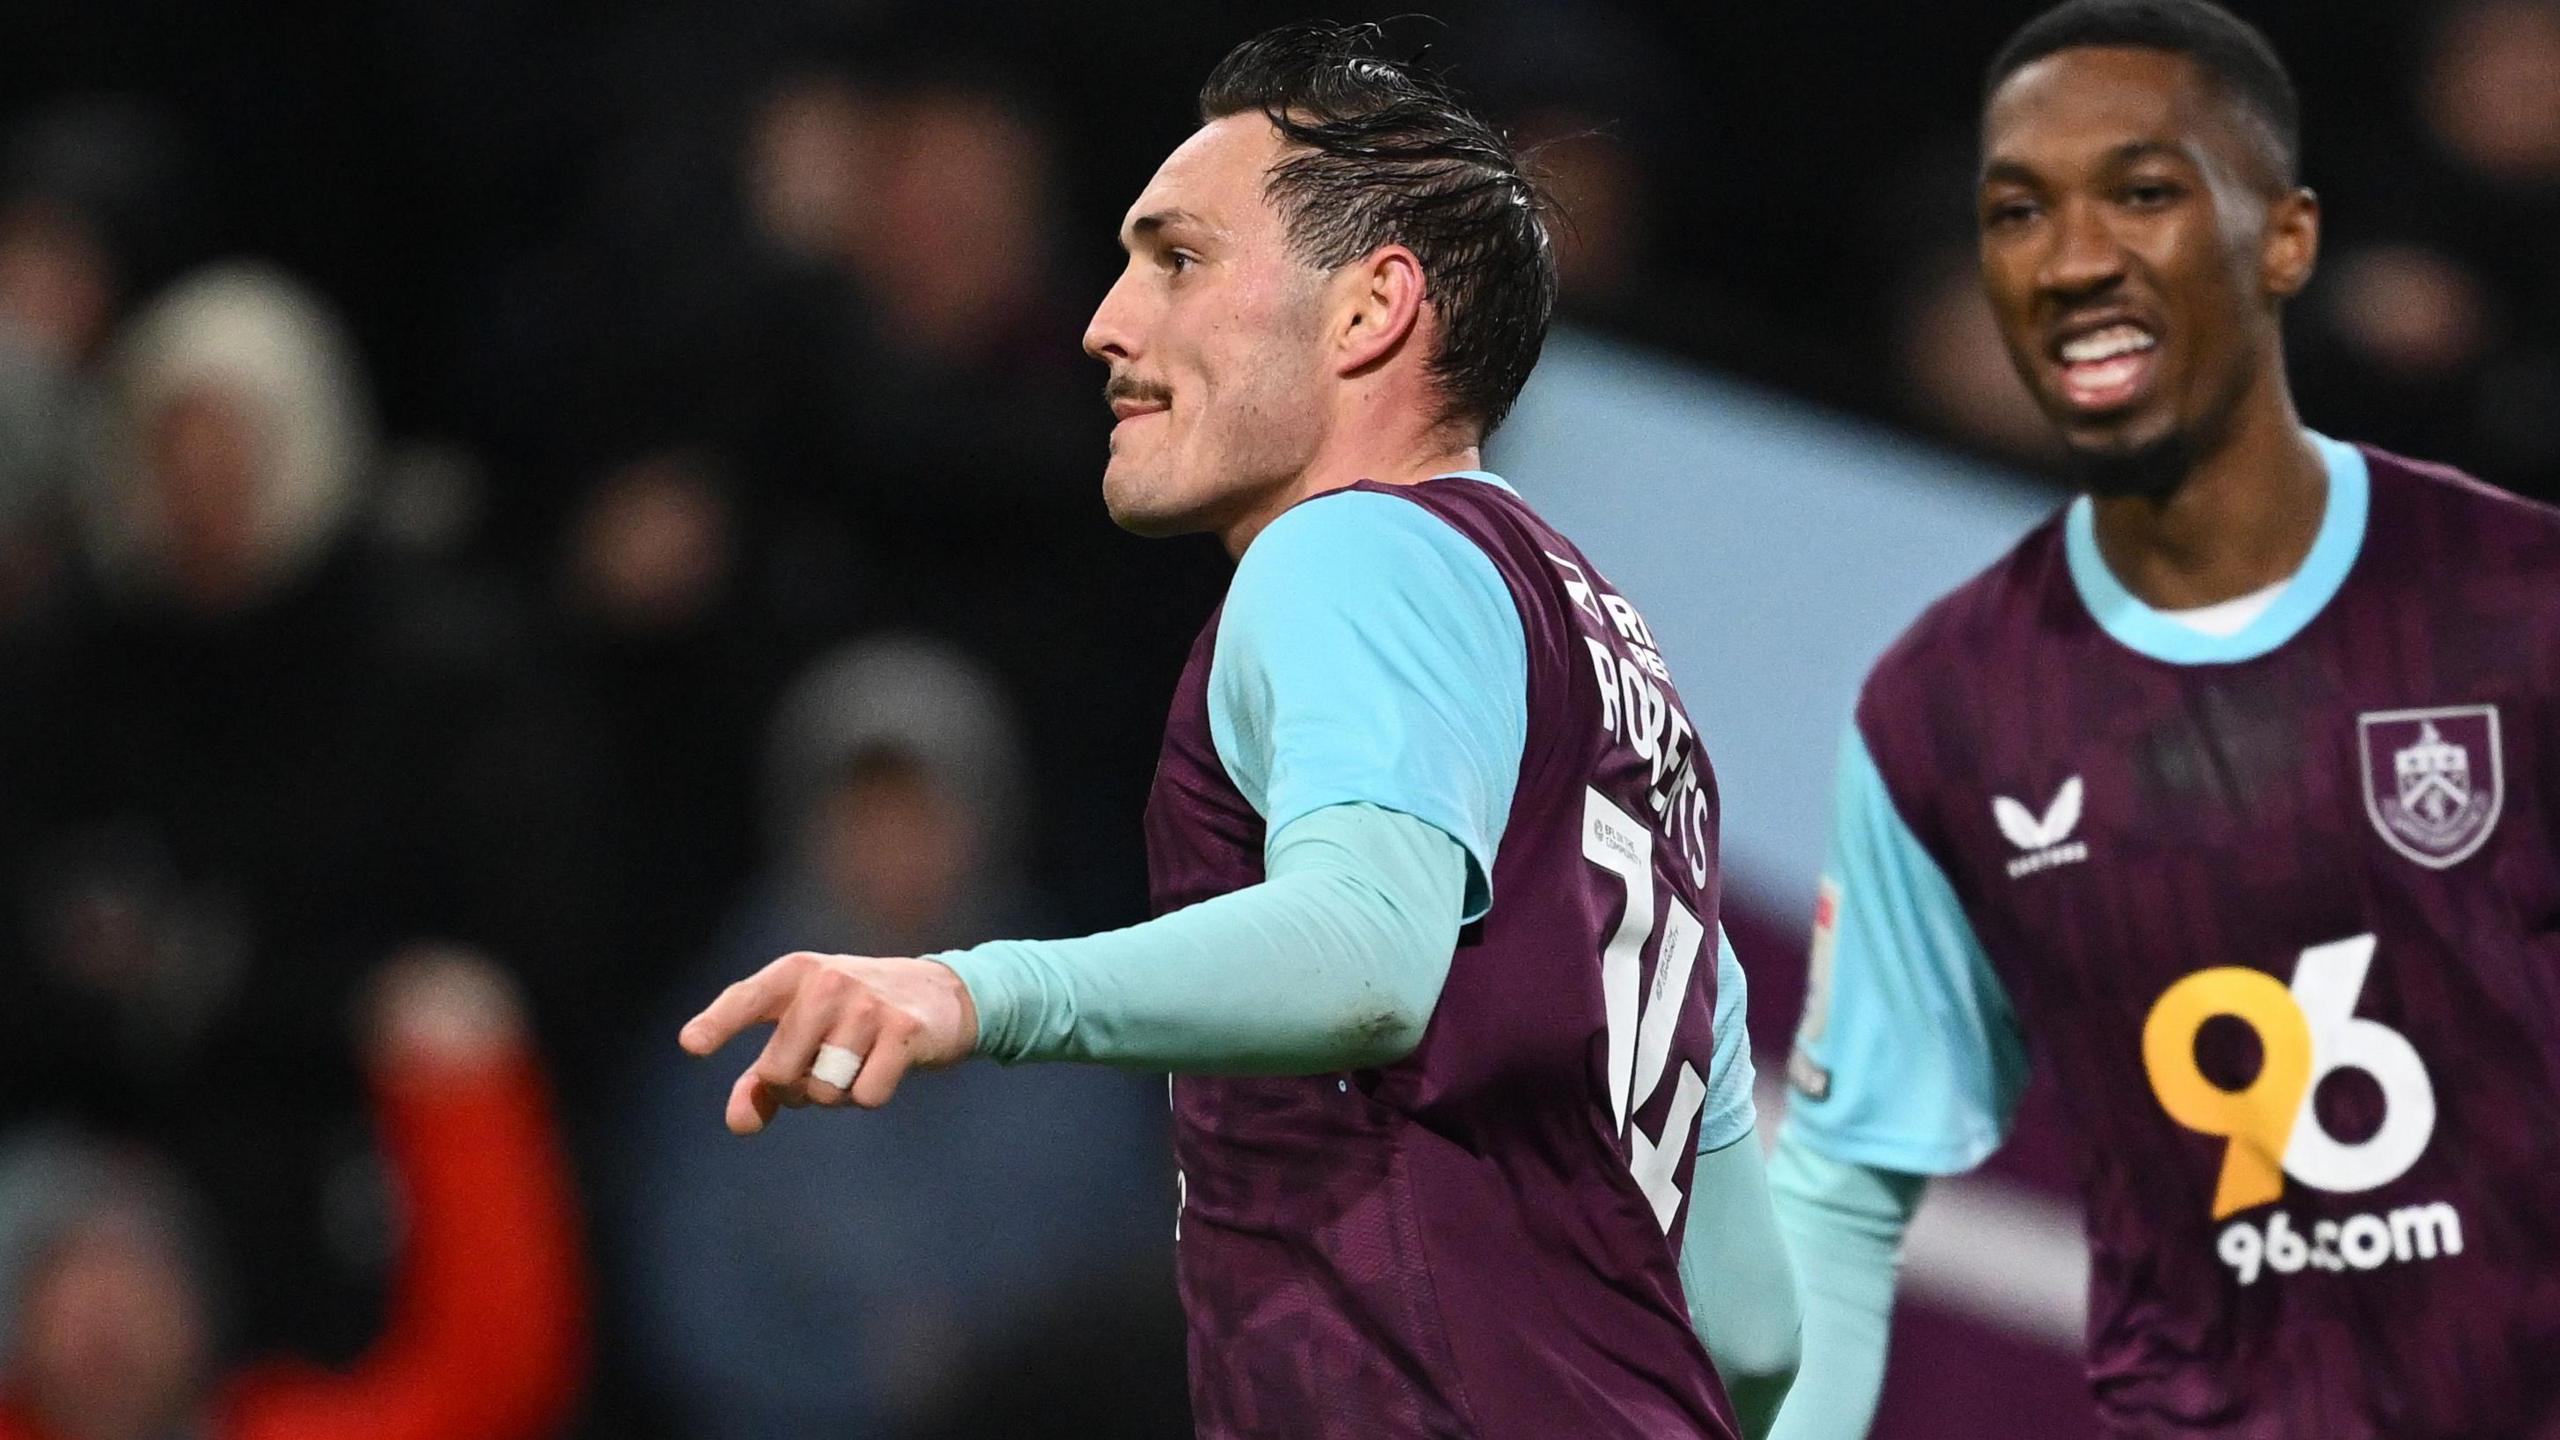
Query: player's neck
x=2242 y=518
x=1346 y=466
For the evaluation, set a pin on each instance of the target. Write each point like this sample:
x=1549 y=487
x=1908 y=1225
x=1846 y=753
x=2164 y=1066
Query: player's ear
x=2293 y=243
x=1380 y=305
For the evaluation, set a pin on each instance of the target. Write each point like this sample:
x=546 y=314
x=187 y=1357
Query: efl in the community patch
x=2434 y=780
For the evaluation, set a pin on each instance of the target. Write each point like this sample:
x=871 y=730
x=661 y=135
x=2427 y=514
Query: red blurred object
x=487 y=1334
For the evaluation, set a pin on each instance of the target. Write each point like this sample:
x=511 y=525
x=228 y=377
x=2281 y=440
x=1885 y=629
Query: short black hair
x=2229 y=50
x=1393 y=156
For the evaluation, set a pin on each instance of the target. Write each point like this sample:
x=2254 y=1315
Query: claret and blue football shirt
x=2277 y=915
x=1481 y=1238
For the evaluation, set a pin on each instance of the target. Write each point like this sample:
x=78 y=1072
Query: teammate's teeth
x=2106 y=344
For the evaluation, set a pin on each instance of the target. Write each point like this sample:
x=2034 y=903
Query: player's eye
x=2151 y=194
x=1179 y=261
x=2008 y=214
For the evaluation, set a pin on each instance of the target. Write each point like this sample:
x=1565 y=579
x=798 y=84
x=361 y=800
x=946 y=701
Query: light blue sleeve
x=1843 y=1225
x=1370 y=654
x=1332 y=963
x=1731 y=1077
x=1741 y=1288
x=1742 y=1291
x=1909 y=1058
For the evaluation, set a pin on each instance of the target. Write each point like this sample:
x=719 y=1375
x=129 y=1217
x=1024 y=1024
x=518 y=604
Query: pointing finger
x=758 y=998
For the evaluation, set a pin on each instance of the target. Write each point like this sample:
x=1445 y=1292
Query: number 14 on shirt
x=1641 y=1019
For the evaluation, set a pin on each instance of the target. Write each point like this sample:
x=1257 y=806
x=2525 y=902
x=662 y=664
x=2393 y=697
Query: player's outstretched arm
x=1369 y=701
x=1333 y=963
x=1844 y=1225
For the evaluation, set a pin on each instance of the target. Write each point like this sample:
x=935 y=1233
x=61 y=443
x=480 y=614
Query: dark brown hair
x=1387 y=154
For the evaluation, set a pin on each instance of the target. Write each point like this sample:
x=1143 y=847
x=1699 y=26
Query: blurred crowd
x=511 y=517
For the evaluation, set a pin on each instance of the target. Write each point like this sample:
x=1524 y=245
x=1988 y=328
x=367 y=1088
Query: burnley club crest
x=2433 y=779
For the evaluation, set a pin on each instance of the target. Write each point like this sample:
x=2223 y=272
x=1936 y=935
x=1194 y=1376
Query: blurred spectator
x=2437 y=321
x=670 y=668
x=866 y=325
x=2490 y=91
x=812 y=163
x=961 y=222
x=235 y=448
x=93 y=207
x=89 y=208
x=2416 y=316
x=929 y=407
x=931 y=198
x=893 y=794
x=2491 y=97
x=114 y=1314
x=654 y=549
x=254 y=754
x=836 y=1275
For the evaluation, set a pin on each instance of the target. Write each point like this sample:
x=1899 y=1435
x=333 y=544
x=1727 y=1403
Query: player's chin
x=2133 y=454
x=2126 y=430
x=1141 y=501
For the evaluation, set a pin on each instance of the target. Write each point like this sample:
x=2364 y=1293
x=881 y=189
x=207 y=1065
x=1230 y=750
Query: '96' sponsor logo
x=2272 y=1127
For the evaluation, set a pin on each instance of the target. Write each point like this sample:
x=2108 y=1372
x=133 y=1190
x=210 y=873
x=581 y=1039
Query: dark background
x=701 y=342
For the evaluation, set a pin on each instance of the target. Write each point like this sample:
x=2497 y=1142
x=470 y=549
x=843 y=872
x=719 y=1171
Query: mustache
x=1126 y=387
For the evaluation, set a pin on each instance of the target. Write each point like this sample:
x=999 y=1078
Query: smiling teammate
x=2230 y=792
x=1433 y=843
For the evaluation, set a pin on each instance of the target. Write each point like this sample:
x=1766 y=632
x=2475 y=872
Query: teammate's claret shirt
x=2275 y=914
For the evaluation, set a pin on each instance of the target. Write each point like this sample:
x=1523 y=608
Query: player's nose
x=1109 y=336
x=2083 y=255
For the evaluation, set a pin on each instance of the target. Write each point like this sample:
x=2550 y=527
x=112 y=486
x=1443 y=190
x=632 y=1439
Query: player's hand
x=890 y=1013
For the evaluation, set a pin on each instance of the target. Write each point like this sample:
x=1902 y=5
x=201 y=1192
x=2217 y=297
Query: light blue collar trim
x=2146 y=631
x=1487 y=476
